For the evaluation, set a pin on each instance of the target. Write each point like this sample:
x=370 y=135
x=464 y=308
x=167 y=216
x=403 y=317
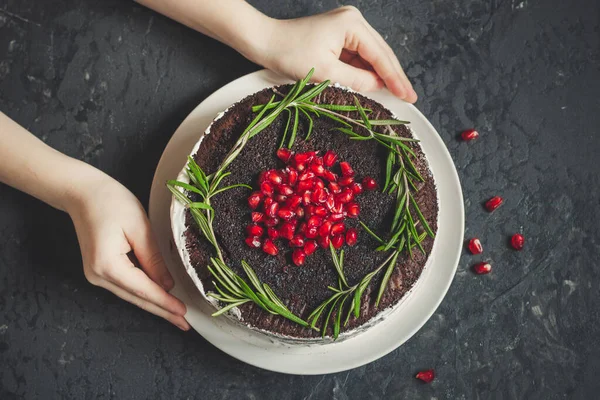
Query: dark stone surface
x=108 y=82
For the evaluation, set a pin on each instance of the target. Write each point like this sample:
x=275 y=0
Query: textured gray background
x=108 y=82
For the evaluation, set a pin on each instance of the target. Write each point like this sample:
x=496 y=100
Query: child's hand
x=342 y=47
x=110 y=222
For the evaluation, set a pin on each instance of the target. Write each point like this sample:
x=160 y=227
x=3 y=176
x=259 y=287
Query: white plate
x=259 y=350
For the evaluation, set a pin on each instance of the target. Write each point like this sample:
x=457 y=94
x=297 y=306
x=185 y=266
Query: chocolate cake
x=302 y=288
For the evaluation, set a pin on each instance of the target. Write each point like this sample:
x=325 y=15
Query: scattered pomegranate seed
x=254 y=200
x=475 y=246
x=426 y=376
x=297 y=241
x=257 y=216
x=482 y=268
x=337 y=241
x=353 y=210
x=517 y=241
x=346 y=169
x=346 y=181
x=272 y=233
x=255 y=230
x=351 y=236
x=356 y=188
x=469 y=134
x=253 y=241
x=369 y=183
x=270 y=248
x=310 y=247
x=298 y=257
x=329 y=158
x=284 y=155
x=493 y=203
x=338 y=228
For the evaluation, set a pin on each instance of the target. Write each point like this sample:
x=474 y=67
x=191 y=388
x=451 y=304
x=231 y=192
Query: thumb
x=142 y=241
x=356 y=78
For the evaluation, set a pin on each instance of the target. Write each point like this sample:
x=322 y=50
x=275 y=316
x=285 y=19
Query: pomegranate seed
x=267 y=189
x=334 y=188
x=257 y=216
x=426 y=376
x=305 y=185
x=330 y=176
x=336 y=217
x=286 y=230
x=297 y=241
x=330 y=202
x=314 y=222
x=261 y=176
x=517 y=241
x=320 y=211
x=319 y=195
x=286 y=213
x=270 y=248
x=319 y=183
x=319 y=170
x=272 y=233
x=285 y=190
x=338 y=228
x=323 y=241
x=369 y=183
x=329 y=158
x=318 y=161
x=253 y=241
x=255 y=199
x=306 y=176
x=292 y=176
x=482 y=268
x=469 y=134
x=284 y=155
x=475 y=246
x=300 y=167
x=346 y=196
x=274 y=177
x=306 y=197
x=302 y=158
x=254 y=230
x=272 y=210
x=346 y=169
x=353 y=210
x=337 y=241
x=338 y=208
x=280 y=198
x=311 y=232
x=346 y=181
x=298 y=257
x=351 y=236
x=272 y=221
x=493 y=203
x=325 y=229
x=294 y=201
x=310 y=247
x=356 y=188
x=300 y=212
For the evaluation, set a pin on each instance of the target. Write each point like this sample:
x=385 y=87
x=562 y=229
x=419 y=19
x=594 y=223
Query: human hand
x=110 y=222
x=342 y=47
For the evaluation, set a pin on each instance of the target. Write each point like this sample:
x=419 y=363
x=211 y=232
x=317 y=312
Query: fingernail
x=167 y=283
x=184 y=328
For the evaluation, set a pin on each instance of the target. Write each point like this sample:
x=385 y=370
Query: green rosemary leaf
x=337 y=119
x=399 y=209
x=341 y=107
x=356 y=303
x=408 y=242
x=186 y=186
x=199 y=204
x=350 y=310
x=252 y=295
x=272 y=296
x=376 y=122
x=394 y=238
x=370 y=232
x=294 y=128
x=224 y=297
x=388 y=169
x=316 y=314
x=231 y=187
x=413 y=169
x=386 y=277
x=198 y=173
x=310 y=122
x=217 y=179
x=229 y=307
x=362 y=113
x=224 y=281
x=287 y=126
x=252 y=276
x=284 y=312
x=328 y=317
x=338 y=265
x=426 y=226
x=338 y=318
x=313 y=92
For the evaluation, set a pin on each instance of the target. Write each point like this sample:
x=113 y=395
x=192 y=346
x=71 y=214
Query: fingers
x=354 y=77
x=145 y=248
x=176 y=320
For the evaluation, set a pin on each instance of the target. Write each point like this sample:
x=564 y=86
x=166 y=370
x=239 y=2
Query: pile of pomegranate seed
x=306 y=204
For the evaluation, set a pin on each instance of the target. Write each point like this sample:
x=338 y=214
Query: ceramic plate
x=261 y=351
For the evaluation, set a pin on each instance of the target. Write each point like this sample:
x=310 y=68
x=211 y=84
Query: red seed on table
x=273 y=233
x=298 y=257
x=254 y=200
x=493 y=203
x=329 y=158
x=475 y=246
x=337 y=241
x=517 y=241
x=356 y=188
x=346 y=169
x=297 y=241
x=254 y=230
x=482 y=268
x=253 y=241
x=270 y=248
x=353 y=210
x=338 y=228
x=284 y=155
x=310 y=247
x=426 y=376
x=257 y=216
x=469 y=134
x=306 y=197
x=369 y=183
x=286 y=230
x=351 y=236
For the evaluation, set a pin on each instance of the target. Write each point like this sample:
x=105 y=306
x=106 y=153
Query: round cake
x=310 y=212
